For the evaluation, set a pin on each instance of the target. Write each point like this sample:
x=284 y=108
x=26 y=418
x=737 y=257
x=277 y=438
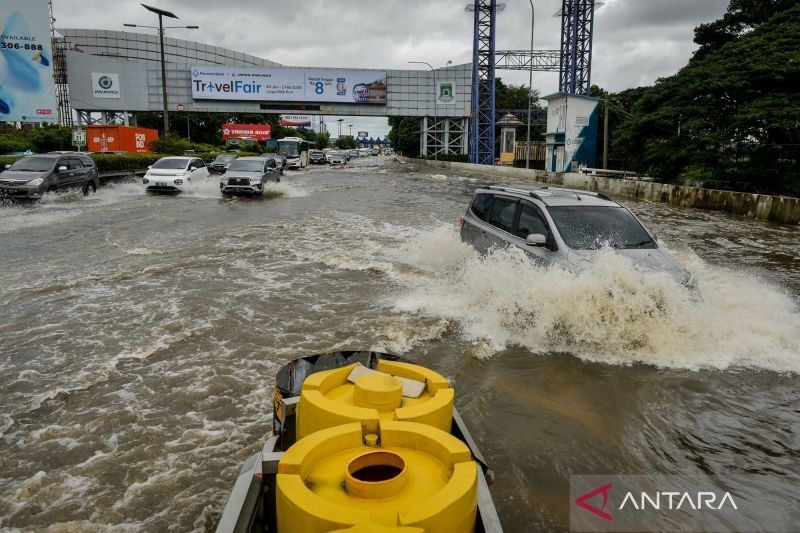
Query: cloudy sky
x=635 y=41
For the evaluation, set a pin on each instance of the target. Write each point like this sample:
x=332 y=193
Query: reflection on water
x=140 y=334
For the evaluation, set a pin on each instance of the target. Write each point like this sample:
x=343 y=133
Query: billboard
x=259 y=132
x=105 y=85
x=296 y=121
x=27 y=89
x=288 y=85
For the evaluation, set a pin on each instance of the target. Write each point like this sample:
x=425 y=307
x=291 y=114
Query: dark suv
x=32 y=176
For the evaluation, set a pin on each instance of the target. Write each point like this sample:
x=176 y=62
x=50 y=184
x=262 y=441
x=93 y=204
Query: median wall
x=781 y=209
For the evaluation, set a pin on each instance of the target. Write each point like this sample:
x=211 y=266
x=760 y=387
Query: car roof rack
x=546 y=188
x=518 y=191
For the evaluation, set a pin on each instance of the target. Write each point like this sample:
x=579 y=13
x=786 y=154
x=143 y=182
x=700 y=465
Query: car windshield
x=589 y=228
x=224 y=158
x=33 y=164
x=289 y=148
x=170 y=164
x=243 y=165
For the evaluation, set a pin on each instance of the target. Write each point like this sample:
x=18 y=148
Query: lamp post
x=530 y=90
x=340 y=120
x=161 y=14
x=351 y=129
x=435 y=98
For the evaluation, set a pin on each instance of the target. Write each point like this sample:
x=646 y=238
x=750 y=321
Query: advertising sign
x=105 y=85
x=27 y=89
x=445 y=92
x=296 y=121
x=288 y=85
x=259 y=132
x=363 y=134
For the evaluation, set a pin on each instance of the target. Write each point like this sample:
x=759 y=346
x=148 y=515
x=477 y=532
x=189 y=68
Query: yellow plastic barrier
x=414 y=476
x=329 y=399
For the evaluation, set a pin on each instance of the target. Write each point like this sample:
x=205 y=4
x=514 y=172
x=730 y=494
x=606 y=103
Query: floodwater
x=139 y=336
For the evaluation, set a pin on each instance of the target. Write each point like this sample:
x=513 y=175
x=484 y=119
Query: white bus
x=295 y=150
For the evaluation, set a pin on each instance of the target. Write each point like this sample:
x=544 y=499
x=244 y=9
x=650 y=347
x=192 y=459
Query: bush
x=123 y=162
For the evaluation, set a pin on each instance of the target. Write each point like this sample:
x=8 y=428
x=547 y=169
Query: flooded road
x=139 y=336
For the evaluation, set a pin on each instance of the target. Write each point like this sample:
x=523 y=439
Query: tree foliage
x=730 y=116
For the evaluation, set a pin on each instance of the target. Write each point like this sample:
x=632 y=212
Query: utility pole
x=530 y=94
x=605 y=134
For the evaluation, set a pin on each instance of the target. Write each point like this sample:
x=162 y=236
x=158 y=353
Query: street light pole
x=161 y=14
x=530 y=91
x=435 y=101
x=163 y=74
x=340 y=120
x=351 y=129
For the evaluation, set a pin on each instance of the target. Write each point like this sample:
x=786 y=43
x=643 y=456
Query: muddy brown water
x=139 y=337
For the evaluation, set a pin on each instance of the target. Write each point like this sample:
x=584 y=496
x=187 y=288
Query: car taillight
x=461 y=223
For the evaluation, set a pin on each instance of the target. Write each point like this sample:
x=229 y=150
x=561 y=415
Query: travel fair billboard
x=27 y=89
x=289 y=85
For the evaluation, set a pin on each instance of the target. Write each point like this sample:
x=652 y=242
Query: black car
x=221 y=163
x=316 y=157
x=33 y=176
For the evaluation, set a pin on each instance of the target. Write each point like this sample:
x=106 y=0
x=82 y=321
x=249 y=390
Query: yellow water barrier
x=329 y=399
x=414 y=476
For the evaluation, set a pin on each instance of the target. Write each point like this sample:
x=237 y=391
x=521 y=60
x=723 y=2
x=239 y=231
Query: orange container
x=120 y=139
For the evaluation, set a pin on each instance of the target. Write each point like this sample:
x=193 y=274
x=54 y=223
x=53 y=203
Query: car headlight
x=178 y=181
x=145 y=180
x=35 y=182
x=254 y=181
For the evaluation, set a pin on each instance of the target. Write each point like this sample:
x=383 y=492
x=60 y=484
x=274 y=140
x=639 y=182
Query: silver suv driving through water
x=565 y=227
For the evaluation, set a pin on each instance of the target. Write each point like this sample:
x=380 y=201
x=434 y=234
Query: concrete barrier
x=782 y=209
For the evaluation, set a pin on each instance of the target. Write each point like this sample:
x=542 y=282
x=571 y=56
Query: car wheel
x=89 y=188
x=52 y=189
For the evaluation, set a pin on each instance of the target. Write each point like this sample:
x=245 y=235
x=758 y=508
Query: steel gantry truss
x=577 y=20
x=481 y=133
x=543 y=60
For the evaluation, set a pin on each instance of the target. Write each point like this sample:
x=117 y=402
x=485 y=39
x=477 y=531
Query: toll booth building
x=571 y=137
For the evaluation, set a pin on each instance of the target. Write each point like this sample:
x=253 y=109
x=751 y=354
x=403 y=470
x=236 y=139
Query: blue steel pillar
x=481 y=149
x=577 y=21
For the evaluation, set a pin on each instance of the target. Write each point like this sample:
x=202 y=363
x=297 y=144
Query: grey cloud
x=635 y=42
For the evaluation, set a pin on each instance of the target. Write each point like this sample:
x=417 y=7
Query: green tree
x=729 y=117
x=345 y=142
x=404 y=135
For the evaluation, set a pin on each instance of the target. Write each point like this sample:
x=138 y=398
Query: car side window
x=271 y=163
x=87 y=163
x=480 y=205
x=503 y=212
x=62 y=163
x=531 y=220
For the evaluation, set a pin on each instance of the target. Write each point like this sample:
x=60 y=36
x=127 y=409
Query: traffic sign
x=79 y=137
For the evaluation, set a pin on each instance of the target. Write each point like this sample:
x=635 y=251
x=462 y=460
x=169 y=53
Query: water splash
x=612 y=313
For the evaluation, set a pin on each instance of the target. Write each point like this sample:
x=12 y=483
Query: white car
x=174 y=174
x=338 y=158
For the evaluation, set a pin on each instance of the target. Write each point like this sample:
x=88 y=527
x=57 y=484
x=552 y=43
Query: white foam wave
x=612 y=313
x=285 y=190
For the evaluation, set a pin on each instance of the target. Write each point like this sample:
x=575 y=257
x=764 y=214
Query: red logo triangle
x=581 y=501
